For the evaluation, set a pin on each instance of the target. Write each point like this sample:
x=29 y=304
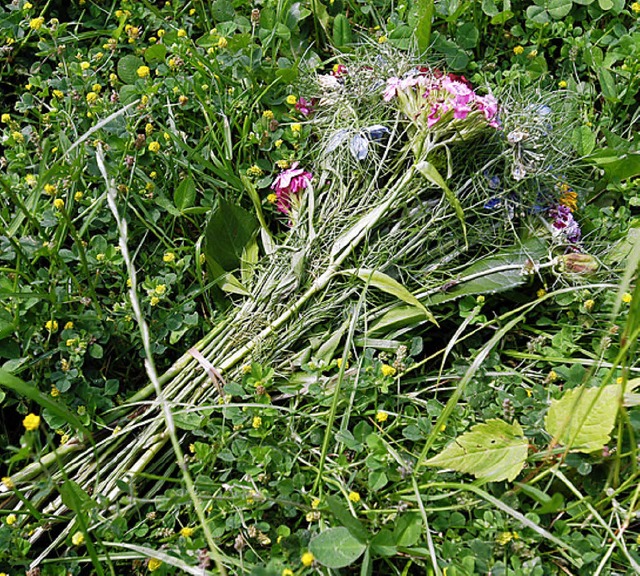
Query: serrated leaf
x=583 y=419
x=493 y=451
x=383 y=282
x=336 y=548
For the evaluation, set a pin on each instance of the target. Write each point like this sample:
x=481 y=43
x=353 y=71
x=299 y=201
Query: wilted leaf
x=493 y=451
x=583 y=418
x=336 y=547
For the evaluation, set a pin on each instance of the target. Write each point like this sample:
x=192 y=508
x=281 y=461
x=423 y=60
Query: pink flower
x=305 y=108
x=393 y=84
x=288 y=183
x=489 y=105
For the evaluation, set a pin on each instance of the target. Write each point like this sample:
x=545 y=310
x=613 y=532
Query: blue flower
x=359 y=147
x=377 y=132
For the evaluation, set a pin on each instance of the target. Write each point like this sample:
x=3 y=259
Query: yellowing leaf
x=493 y=451
x=583 y=419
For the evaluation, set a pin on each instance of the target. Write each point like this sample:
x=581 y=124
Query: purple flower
x=288 y=183
x=564 y=224
x=304 y=107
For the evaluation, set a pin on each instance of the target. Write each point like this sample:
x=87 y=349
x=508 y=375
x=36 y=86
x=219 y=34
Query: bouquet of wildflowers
x=397 y=191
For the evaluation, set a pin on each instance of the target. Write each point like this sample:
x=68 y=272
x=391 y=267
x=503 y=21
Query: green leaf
x=608 y=85
x=229 y=230
x=387 y=284
x=341 y=31
x=422 y=31
x=502 y=17
x=408 y=529
x=348 y=520
x=384 y=544
x=430 y=172
x=185 y=194
x=74 y=497
x=493 y=451
x=336 y=548
x=583 y=419
x=155 y=54
x=583 y=140
x=617 y=166
x=559 y=8
x=127 y=68
x=467 y=36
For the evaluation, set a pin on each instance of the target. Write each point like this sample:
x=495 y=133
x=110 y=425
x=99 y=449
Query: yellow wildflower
x=182 y=100
x=272 y=198
x=17 y=136
x=589 y=304
x=307 y=559
x=78 y=196
x=292 y=100
x=382 y=39
x=36 y=23
x=315 y=503
x=387 y=370
x=182 y=33
x=51 y=325
x=635 y=7
x=168 y=257
x=154 y=146
x=77 y=539
x=562 y=84
x=282 y=164
x=268 y=114
x=257 y=422
x=31 y=422
x=143 y=71
x=541 y=293
x=5 y=118
x=11 y=519
x=148 y=129
x=354 y=497
x=296 y=128
x=8 y=483
x=254 y=171
x=154 y=301
x=187 y=532
x=92 y=98
x=154 y=564
x=552 y=376
x=626 y=298
x=55 y=392
x=287 y=572
x=96 y=88
x=161 y=33
x=58 y=93
x=161 y=289
x=517 y=50
x=222 y=42
x=85 y=65
x=382 y=416
x=58 y=203
x=50 y=189
x=278 y=143
x=27 y=6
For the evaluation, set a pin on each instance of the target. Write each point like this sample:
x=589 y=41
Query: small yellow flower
x=182 y=100
x=50 y=189
x=161 y=33
x=192 y=448
x=154 y=146
x=58 y=203
x=54 y=392
x=296 y=128
x=58 y=93
x=11 y=519
x=5 y=118
x=27 y=6
x=552 y=376
x=143 y=71
x=8 y=483
x=85 y=65
x=153 y=175
x=287 y=572
x=154 y=301
x=254 y=171
x=382 y=416
x=51 y=325
x=96 y=88
x=222 y=42
x=17 y=136
x=187 y=532
x=161 y=289
x=532 y=54
x=635 y=7
x=148 y=129
x=64 y=439
x=182 y=33
x=626 y=298
x=100 y=257
x=382 y=39
x=589 y=304
x=292 y=100
x=517 y=50
x=78 y=196
x=354 y=497
x=541 y=293
x=168 y=257
x=257 y=422
x=113 y=78
x=92 y=98
x=282 y=164
x=307 y=559
x=166 y=136
x=77 y=539
x=387 y=370
x=154 y=564
x=272 y=198
x=268 y=114
x=68 y=326
x=315 y=503
x=36 y=23
x=31 y=422
x=562 y=84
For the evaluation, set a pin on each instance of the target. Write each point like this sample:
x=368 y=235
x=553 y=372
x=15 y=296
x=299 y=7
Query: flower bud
x=576 y=263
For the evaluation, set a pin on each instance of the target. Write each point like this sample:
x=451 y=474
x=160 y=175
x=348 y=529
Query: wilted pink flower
x=288 y=183
x=304 y=107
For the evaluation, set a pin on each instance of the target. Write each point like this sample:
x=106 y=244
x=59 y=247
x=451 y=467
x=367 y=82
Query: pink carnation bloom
x=288 y=183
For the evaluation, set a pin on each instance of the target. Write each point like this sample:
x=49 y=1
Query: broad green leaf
x=348 y=520
x=74 y=497
x=493 y=451
x=489 y=7
x=620 y=251
x=583 y=419
x=384 y=544
x=341 y=31
x=430 y=172
x=185 y=194
x=537 y=14
x=583 y=140
x=559 y=8
x=408 y=529
x=128 y=68
x=467 y=36
x=502 y=17
x=605 y=4
x=422 y=31
x=336 y=548
x=155 y=54
x=229 y=230
x=387 y=284
x=187 y=420
x=617 y=166
x=608 y=85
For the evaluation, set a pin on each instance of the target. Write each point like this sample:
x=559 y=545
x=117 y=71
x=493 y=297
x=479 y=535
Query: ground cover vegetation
x=319 y=287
